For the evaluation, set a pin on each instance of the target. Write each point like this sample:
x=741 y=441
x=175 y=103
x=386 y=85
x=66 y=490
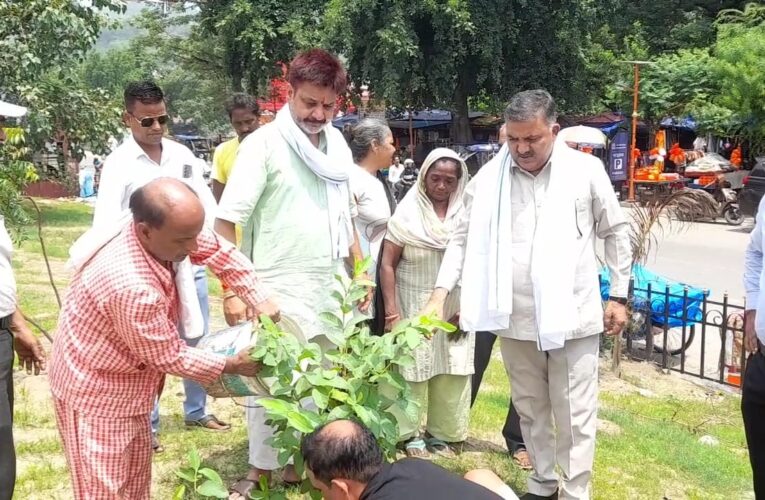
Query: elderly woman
x=414 y=246
x=371 y=143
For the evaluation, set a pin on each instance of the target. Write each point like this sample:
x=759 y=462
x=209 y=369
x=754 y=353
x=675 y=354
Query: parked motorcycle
x=728 y=206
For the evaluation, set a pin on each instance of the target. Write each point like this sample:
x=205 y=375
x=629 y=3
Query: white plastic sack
x=228 y=342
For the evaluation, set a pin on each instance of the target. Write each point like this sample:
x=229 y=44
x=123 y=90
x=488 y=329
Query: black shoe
x=532 y=496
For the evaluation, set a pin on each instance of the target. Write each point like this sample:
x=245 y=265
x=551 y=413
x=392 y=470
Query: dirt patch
x=608 y=427
x=32 y=389
x=635 y=376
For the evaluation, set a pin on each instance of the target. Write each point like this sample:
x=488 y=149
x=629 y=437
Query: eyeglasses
x=148 y=121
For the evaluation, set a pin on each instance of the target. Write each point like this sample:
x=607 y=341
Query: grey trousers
x=556 y=394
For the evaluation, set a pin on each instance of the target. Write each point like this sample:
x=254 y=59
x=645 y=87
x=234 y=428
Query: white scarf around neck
x=487 y=274
x=95 y=238
x=333 y=168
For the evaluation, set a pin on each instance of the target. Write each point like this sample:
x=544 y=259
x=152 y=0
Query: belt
x=5 y=323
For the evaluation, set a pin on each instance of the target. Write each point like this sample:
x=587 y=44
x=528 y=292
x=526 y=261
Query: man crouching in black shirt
x=344 y=462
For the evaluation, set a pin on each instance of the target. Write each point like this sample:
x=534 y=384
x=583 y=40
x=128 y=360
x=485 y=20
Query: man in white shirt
x=395 y=171
x=143 y=156
x=525 y=252
x=753 y=392
x=14 y=334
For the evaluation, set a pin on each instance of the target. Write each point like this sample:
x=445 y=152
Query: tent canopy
x=583 y=135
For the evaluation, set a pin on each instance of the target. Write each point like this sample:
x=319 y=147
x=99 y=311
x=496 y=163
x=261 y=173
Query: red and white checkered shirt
x=117 y=333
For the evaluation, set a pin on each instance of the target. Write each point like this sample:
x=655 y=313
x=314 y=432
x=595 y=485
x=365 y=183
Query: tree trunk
x=460 y=127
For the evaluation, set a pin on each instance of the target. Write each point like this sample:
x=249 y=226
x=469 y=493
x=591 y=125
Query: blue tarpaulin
x=686 y=122
x=682 y=310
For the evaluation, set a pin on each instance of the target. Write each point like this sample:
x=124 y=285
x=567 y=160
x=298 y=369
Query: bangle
x=229 y=294
x=391 y=316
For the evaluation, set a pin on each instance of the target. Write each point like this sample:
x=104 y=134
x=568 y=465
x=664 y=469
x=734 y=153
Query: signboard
x=618 y=157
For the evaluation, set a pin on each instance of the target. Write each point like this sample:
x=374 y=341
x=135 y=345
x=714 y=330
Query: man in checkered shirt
x=117 y=338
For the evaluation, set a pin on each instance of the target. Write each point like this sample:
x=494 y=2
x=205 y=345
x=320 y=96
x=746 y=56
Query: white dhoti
x=556 y=395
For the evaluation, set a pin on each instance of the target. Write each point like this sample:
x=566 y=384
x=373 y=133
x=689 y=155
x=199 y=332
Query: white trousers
x=263 y=455
x=556 y=395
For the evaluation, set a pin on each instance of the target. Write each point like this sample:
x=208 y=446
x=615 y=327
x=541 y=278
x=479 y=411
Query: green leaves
x=194 y=460
x=211 y=482
x=357 y=377
x=331 y=319
x=213 y=489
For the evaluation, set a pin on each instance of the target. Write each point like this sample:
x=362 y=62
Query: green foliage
x=253 y=36
x=40 y=41
x=678 y=84
x=36 y=35
x=15 y=173
x=202 y=481
x=63 y=105
x=356 y=378
x=185 y=64
x=753 y=15
x=426 y=53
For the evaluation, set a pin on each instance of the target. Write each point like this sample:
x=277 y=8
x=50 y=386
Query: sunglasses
x=149 y=120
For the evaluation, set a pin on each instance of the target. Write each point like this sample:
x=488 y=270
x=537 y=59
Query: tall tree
x=36 y=35
x=41 y=41
x=426 y=53
x=255 y=35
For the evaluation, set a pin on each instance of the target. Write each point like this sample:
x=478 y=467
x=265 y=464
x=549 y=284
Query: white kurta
x=282 y=206
x=373 y=213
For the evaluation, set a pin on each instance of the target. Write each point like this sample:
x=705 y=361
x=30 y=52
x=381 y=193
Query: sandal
x=243 y=487
x=156 y=446
x=290 y=483
x=205 y=422
x=417 y=448
x=522 y=459
x=440 y=448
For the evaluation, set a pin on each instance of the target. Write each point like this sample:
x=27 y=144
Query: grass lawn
x=648 y=440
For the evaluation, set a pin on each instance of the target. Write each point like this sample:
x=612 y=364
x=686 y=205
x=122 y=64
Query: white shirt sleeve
x=111 y=193
x=753 y=261
x=612 y=227
x=247 y=181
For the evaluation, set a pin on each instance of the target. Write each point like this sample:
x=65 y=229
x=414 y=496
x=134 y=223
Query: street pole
x=635 y=115
x=633 y=160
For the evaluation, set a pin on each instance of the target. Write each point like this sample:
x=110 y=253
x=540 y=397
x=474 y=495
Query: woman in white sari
x=414 y=246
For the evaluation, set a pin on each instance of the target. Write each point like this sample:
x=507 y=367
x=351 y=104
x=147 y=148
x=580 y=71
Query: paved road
x=706 y=255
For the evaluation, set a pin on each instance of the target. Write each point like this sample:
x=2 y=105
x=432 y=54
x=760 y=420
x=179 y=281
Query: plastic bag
x=228 y=342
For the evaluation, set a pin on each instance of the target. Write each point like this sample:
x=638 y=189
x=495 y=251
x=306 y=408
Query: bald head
x=168 y=217
x=342 y=449
x=162 y=198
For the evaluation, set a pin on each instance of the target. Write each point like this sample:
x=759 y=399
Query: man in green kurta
x=289 y=190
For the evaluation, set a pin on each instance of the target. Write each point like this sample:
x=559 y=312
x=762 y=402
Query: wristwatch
x=618 y=300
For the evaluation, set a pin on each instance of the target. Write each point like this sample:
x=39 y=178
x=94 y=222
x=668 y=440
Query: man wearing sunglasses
x=144 y=155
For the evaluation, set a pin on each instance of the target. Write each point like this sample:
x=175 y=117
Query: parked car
x=753 y=190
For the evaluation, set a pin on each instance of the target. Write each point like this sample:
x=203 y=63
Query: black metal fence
x=688 y=333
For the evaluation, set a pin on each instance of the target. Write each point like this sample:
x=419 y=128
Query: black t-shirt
x=415 y=479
